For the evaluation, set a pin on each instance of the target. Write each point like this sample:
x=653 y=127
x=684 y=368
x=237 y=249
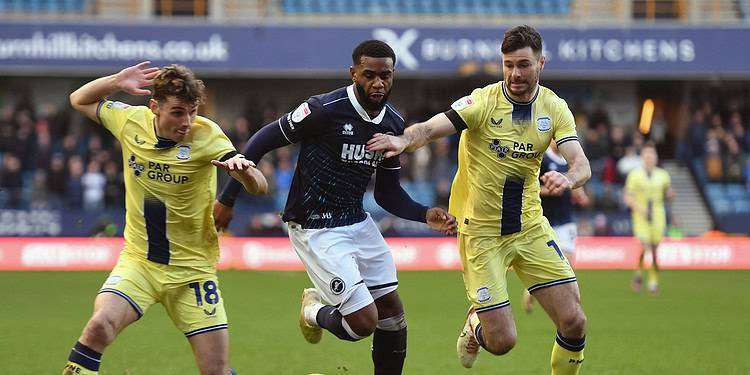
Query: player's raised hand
x=235 y=163
x=222 y=216
x=441 y=221
x=390 y=145
x=132 y=80
x=555 y=183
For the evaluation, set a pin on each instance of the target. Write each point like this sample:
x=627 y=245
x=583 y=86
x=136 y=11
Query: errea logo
x=348 y=129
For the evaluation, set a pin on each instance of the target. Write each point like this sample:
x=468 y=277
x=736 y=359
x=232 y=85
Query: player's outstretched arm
x=131 y=80
x=391 y=196
x=555 y=183
x=440 y=220
x=414 y=136
x=244 y=171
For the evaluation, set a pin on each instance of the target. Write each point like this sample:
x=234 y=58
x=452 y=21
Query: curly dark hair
x=372 y=48
x=521 y=37
x=179 y=81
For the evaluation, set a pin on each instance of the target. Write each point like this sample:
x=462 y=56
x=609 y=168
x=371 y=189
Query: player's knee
x=574 y=325
x=500 y=344
x=364 y=327
x=100 y=329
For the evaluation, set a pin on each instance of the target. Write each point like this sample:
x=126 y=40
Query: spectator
x=39 y=194
x=631 y=160
x=11 y=181
x=93 y=183
x=57 y=177
x=74 y=186
x=734 y=161
x=114 y=189
x=712 y=150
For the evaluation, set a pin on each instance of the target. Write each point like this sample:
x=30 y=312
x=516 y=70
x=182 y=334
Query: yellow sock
x=564 y=360
x=653 y=276
x=72 y=368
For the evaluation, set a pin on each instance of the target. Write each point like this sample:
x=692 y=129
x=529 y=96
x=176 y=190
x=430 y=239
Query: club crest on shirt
x=483 y=294
x=183 y=152
x=462 y=103
x=543 y=124
x=301 y=112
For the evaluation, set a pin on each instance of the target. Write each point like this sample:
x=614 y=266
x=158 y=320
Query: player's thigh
x=484 y=262
x=196 y=305
x=642 y=230
x=330 y=259
x=374 y=260
x=211 y=351
x=658 y=227
x=498 y=325
x=131 y=281
x=540 y=262
x=562 y=303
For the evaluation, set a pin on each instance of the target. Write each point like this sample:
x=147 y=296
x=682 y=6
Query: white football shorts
x=351 y=266
x=567 y=234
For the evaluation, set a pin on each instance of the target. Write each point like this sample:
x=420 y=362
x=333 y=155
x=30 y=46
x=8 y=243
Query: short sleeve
x=306 y=121
x=220 y=145
x=564 y=125
x=113 y=115
x=466 y=113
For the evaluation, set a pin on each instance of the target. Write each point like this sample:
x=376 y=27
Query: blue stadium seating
x=425 y=6
x=43 y=6
x=728 y=198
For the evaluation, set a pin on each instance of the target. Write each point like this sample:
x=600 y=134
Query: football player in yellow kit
x=505 y=129
x=646 y=190
x=171 y=244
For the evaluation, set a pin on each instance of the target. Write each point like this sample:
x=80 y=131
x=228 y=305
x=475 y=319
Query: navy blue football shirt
x=557 y=209
x=333 y=167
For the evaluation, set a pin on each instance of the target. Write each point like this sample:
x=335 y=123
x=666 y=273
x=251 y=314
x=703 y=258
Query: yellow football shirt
x=648 y=191
x=169 y=187
x=496 y=188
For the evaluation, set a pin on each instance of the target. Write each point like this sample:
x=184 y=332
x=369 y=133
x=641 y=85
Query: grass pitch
x=699 y=324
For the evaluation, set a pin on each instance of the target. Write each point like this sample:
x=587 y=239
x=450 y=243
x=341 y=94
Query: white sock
x=311 y=313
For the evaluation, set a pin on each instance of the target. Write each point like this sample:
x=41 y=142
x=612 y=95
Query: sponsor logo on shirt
x=300 y=113
x=462 y=103
x=358 y=154
x=117 y=105
x=348 y=129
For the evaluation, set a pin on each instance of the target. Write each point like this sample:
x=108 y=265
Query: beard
x=369 y=104
x=531 y=84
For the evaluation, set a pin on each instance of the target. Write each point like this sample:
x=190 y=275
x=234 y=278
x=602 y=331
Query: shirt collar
x=362 y=112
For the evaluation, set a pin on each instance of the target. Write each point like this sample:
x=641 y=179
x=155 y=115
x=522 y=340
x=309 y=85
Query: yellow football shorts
x=533 y=253
x=191 y=296
x=649 y=232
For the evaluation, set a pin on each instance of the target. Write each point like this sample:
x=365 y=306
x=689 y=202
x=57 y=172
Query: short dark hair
x=521 y=37
x=179 y=81
x=373 y=48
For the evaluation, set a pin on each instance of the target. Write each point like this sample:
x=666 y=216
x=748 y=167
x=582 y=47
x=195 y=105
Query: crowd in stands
x=717 y=140
x=52 y=158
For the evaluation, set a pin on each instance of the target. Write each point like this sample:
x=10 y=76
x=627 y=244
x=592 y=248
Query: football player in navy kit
x=342 y=249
